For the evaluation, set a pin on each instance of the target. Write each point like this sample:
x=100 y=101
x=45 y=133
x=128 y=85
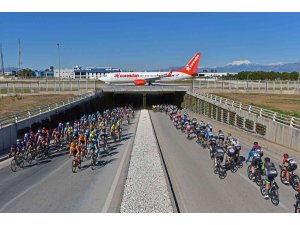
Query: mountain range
x=246 y=65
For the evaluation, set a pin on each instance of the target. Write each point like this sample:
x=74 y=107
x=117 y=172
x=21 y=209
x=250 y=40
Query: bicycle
x=32 y=153
x=17 y=161
x=93 y=160
x=257 y=174
x=76 y=162
x=294 y=180
x=218 y=168
x=231 y=164
x=297 y=204
x=273 y=191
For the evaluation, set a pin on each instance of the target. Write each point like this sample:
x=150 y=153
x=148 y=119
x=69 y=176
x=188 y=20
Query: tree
x=25 y=73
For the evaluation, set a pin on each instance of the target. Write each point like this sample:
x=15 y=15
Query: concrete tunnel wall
x=9 y=134
x=102 y=101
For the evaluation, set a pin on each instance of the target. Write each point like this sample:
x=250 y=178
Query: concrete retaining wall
x=275 y=132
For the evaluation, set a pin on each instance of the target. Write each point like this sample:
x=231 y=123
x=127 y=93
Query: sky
x=144 y=41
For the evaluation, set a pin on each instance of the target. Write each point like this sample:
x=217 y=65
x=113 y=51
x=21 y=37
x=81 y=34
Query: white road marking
x=32 y=186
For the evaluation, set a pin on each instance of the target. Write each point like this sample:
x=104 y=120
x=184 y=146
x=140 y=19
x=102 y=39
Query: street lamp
x=58 y=64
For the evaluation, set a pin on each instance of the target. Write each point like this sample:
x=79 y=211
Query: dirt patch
x=286 y=104
x=13 y=104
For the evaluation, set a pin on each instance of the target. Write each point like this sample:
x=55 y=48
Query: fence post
x=274 y=117
x=292 y=122
x=249 y=110
x=29 y=114
x=40 y=111
x=38 y=85
x=7 y=86
x=240 y=106
x=260 y=112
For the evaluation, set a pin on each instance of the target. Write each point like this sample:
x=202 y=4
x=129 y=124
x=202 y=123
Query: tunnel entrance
x=146 y=100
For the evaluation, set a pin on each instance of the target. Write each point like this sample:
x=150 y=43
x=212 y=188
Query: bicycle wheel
x=222 y=172
x=282 y=177
x=263 y=188
x=295 y=182
x=297 y=207
x=274 y=195
x=29 y=158
x=93 y=164
x=233 y=167
x=73 y=166
x=216 y=168
x=249 y=172
x=21 y=162
x=13 y=165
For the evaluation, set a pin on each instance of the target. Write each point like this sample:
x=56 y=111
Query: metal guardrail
x=275 y=116
x=15 y=118
x=266 y=85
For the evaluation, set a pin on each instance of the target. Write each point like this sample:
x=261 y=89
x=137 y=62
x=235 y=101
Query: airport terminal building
x=92 y=73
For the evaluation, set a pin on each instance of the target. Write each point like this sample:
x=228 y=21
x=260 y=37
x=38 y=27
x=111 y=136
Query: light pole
x=58 y=64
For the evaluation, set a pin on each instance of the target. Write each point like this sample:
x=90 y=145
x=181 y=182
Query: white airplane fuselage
x=125 y=77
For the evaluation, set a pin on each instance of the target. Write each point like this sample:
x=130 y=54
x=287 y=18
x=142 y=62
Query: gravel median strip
x=146 y=188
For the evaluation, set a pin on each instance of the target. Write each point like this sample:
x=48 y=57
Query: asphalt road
x=196 y=186
x=52 y=187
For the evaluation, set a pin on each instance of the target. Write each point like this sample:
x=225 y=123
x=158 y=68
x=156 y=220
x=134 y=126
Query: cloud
x=240 y=62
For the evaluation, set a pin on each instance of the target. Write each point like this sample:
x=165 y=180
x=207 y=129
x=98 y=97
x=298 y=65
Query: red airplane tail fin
x=192 y=66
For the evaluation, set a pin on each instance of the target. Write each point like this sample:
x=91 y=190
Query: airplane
x=187 y=72
x=142 y=78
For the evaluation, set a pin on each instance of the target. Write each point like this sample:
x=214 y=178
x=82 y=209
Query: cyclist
x=93 y=142
x=218 y=154
x=209 y=127
x=258 y=148
x=255 y=155
x=202 y=125
x=290 y=165
x=208 y=133
x=221 y=137
x=75 y=151
x=229 y=138
x=237 y=147
x=270 y=172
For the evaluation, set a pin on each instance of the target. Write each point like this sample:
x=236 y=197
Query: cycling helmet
x=39 y=131
x=18 y=141
x=286 y=155
x=68 y=123
x=267 y=160
x=26 y=135
x=255 y=143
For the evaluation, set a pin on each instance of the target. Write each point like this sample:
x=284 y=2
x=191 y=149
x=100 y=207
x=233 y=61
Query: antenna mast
x=2 y=63
x=20 y=54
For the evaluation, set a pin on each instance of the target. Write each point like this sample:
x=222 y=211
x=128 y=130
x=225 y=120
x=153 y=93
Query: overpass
x=146 y=96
